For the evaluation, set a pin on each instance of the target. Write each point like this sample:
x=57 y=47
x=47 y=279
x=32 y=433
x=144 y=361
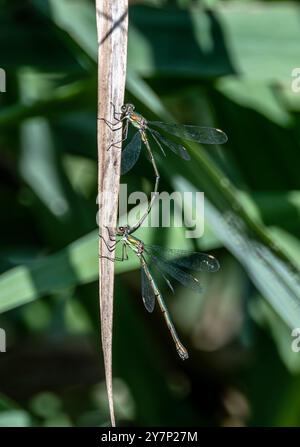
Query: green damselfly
x=131 y=152
x=170 y=263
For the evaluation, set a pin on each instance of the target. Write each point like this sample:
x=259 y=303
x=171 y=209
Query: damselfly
x=170 y=263
x=131 y=152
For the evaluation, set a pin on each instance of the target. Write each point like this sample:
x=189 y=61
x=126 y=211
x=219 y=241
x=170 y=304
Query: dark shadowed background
x=227 y=64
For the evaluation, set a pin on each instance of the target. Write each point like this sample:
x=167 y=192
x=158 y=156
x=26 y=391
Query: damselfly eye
x=124 y=107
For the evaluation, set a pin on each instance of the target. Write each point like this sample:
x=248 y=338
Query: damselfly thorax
x=135 y=244
x=138 y=121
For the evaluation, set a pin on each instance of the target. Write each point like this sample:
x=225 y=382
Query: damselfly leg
x=111 y=247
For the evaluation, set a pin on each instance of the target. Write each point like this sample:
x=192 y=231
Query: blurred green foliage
x=219 y=63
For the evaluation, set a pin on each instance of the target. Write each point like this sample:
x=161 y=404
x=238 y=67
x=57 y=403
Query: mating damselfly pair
x=170 y=263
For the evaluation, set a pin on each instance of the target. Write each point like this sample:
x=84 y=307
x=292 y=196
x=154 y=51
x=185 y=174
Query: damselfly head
x=127 y=109
x=122 y=231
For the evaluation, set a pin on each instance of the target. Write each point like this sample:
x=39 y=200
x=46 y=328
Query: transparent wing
x=186 y=279
x=168 y=282
x=205 y=135
x=186 y=259
x=176 y=148
x=131 y=153
x=147 y=291
x=164 y=260
x=154 y=267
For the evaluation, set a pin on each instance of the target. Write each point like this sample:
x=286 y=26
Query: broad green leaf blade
x=63 y=99
x=278 y=281
x=203 y=43
x=15 y=418
x=77 y=264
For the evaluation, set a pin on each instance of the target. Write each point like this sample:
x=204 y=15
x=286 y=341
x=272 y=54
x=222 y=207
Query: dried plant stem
x=112 y=22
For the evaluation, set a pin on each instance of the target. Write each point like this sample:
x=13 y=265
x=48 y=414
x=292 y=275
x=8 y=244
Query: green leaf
x=75 y=265
x=211 y=43
x=14 y=418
